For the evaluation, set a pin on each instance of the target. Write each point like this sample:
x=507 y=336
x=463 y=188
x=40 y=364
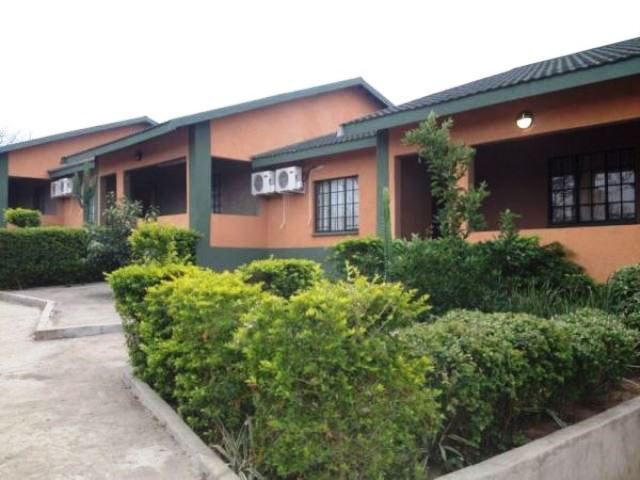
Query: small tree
x=448 y=163
x=109 y=242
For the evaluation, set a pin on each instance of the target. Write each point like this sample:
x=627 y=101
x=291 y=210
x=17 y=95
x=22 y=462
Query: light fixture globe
x=524 y=120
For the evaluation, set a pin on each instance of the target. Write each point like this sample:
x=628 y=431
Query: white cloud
x=70 y=64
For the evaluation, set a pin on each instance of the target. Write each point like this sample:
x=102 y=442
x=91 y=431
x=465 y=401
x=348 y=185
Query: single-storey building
x=557 y=141
x=24 y=177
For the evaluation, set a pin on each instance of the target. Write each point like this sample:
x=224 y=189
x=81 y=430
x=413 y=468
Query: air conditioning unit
x=262 y=183
x=289 y=180
x=62 y=188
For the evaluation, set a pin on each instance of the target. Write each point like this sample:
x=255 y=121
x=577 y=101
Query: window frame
x=316 y=207
x=576 y=172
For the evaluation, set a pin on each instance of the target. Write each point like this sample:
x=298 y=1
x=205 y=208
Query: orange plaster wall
x=33 y=162
x=241 y=231
x=298 y=229
x=246 y=134
x=600 y=250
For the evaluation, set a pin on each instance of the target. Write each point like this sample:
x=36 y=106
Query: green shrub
x=283 y=277
x=521 y=262
x=602 y=348
x=365 y=254
x=335 y=394
x=490 y=368
x=22 y=217
x=452 y=272
x=152 y=242
x=130 y=285
x=108 y=242
x=624 y=288
x=32 y=257
x=197 y=315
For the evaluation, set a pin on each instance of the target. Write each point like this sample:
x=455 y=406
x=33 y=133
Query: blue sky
x=71 y=64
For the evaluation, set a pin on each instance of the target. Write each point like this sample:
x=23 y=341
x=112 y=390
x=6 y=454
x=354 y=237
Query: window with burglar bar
x=593 y=188
x=337 y=205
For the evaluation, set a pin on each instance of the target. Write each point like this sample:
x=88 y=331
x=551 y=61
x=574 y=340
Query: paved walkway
x=65 y=414
x=90 y=304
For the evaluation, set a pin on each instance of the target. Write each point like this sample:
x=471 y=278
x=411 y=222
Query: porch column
x=4 y=185
x=199 y=175
x=382 y=177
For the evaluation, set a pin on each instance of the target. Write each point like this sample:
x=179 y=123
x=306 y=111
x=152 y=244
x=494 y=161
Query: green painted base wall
x=4 y=185
x=226 y=258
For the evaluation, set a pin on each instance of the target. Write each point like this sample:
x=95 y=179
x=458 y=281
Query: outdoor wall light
x=138 y=155
x=524 y=120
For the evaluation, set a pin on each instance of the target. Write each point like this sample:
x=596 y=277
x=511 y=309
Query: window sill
x=592 y=224
x=336 y=234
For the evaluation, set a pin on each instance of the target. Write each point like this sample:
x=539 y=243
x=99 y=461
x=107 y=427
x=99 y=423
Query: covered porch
x=577 y=187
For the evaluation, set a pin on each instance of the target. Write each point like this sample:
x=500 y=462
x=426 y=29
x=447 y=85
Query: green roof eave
x=321 y=151
x=121 y=143
x=580 y=78
x=283 y=97
x=70 y=169
x=76 y=133
x=178 y=122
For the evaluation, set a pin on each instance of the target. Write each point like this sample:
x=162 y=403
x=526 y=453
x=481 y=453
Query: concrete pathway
x=65 y=413
x=90 y=304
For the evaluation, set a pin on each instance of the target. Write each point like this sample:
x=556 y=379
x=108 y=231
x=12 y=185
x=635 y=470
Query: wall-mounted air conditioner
x=289 y=180
x=62 y=188
x=262 y=183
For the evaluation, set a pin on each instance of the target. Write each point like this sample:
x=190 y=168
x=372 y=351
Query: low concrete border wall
x=209 y=465
x=603 y=447
x=46 y=330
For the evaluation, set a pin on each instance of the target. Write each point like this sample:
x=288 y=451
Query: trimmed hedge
x=491 y=368
x=31 y=257
x=153 y=242
x=335 y=394
x=22 y=217
x=495 y=369
x=284 y=277
x=130 y=285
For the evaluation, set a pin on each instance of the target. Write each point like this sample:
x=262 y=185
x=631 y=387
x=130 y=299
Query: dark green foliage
x=602 y=348
x=521 y=261
x=152 y=242
x=334 y=392
x=624 y=291
x=453 y=272
x=130 y=285
x=448 y=165
x=32 y=257
x=366 y=254
x=284 y=277
x=108 y=242
x=491 y=369
x=22 y=217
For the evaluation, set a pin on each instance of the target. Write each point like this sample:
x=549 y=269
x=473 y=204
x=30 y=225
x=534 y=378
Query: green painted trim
x=4 y=186
x=66 y=170
x=580 y=78
x=199 y=162
x=314 y=152
x=120 y=143
x=229 y=258
x=176 y=123
x=382 y=177
x=75 y=133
